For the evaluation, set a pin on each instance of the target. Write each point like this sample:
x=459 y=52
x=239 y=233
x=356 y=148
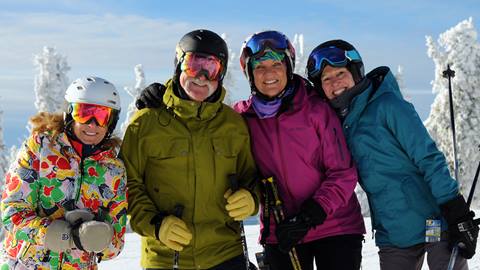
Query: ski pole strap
x=102 y=214
x=266 y=214
x=157 y=221
x=270 y=201
x=178 y=210
x=233 y=182
x=76 y=235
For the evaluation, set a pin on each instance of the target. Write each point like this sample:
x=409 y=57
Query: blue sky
x=108 y=38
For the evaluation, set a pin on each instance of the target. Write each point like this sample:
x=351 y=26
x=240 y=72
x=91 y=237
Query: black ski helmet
x=202 y=41
x=355 y=67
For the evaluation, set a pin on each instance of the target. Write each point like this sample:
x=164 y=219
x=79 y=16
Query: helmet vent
x=80 y=87
x=111 y=101
x=114 y=93
x=105 y=82
x=90 y=79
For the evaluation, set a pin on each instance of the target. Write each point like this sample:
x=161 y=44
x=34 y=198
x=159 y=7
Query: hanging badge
x=433 y=230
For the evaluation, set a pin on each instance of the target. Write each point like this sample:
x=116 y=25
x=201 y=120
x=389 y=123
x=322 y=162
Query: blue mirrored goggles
x=333 y=56
x=272 y=39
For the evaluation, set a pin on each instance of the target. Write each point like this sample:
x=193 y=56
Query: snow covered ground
x=130 y=256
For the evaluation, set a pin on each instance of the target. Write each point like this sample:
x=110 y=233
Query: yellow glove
x=174 y=233
x=240 y=204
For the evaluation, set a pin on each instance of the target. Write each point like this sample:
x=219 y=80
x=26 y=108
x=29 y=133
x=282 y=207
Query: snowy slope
x=130 y=256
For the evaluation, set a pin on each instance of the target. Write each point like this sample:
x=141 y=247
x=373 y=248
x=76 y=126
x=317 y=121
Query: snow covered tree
x=401 y=82
x=459 y=48
x=300 y=57
x=3 y=152
x=230 y=80
x=134 y=92
x=3 y=165
x=51 y=80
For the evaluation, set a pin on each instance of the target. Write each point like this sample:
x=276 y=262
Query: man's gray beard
x=197 y=81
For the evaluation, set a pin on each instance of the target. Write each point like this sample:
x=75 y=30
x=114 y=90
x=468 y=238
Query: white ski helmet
x=93 y=90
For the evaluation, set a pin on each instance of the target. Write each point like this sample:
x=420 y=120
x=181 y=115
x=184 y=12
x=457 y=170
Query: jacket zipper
x=282 y=161
x=194 y=194
x=338 y=144
x=77 y=196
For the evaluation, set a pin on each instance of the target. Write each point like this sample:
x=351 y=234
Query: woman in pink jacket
x=297 y=139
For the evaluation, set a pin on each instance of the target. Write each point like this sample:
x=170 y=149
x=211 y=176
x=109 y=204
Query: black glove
x=151 y=96
x=461 y=229
x=292 y=230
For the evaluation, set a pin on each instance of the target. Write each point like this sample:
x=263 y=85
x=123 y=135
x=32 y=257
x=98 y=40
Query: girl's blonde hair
x=47 y=122
x=53 y=123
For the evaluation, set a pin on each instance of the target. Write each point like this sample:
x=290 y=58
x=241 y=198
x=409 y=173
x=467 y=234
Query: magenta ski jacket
x=303 y=147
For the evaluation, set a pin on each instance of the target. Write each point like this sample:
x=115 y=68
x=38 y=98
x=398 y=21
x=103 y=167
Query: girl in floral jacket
x=64 y=202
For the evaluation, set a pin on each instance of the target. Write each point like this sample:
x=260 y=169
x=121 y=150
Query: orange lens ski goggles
x=195 y=64
x=83 y=113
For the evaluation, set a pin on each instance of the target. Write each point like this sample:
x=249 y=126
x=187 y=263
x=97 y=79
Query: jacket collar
x=382 y=81
x=70 y=147
x=187 y=109
x=301 y=92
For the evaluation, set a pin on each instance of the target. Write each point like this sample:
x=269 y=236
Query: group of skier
x=295 y=149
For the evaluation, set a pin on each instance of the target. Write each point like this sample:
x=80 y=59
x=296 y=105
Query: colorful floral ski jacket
x=47 y=176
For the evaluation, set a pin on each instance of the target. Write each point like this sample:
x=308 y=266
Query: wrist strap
x=75 y=235
x=157 y=221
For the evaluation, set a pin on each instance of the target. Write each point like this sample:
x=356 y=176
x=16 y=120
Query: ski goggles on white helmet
x=84 y=113
x=332 y=56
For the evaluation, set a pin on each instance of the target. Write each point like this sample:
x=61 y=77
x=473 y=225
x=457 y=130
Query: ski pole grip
x=448 y=73
x=233 y=182
x=178 y=210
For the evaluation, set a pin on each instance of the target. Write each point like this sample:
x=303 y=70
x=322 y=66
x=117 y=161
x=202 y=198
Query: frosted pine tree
x=134 y=92
x=401 y=82
x=458 y=47
x=300 y=57
x=51 y=80
x=3 y=165
x=3 y=152
x=230 y=81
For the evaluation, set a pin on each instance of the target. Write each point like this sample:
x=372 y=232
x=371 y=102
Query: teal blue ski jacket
x=402 y=171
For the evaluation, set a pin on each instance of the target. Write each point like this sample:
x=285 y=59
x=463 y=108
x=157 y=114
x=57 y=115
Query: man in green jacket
x=182 y=153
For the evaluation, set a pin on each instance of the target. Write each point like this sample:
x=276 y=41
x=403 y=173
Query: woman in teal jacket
x=405 y=176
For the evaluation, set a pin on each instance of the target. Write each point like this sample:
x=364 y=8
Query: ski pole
x=472 y=189
x=449 y=73
x=177 y=211
x=279 y=216
x=234 y=186
x=474 y=184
